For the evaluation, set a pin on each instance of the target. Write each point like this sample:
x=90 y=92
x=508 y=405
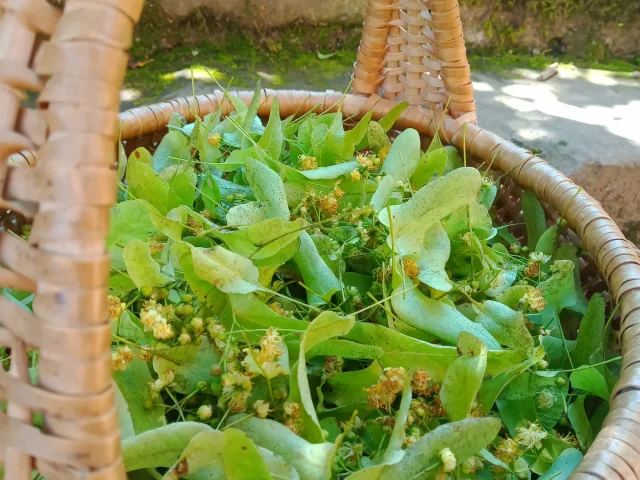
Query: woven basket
x=411 y=50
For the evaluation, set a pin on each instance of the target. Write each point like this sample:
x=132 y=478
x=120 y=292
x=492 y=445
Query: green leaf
x=432 y=202
x=534 y=218
x=129 y=220
x=248 y=308
x=129 y=327
x=436 y=317
x=272 y=139
x=404 y=155
x=559 y=290
x=354 y=136
x=580 y=422
x=173 y=224
x=182 y=181
x=160 y=447
x=348 y=350
x=206 y=292
x=465 y=439
x=400 y=164
x=433 y=257
x=141 y=154
x=548 y=241
x=124 y=416
x=252 y=111
x=506 y=325
x=376 y=138
x=145 y=184
x=174 y=144
x=141 y=267
x=318 y=277
x=309 y=460
x=210 y=193
x=122 y=166
x=394 y=452
x=464 y=376
x=325 y=326
x=265 y=239
x=410 y=353
x=227 y=271
x=241 y=458
x=493 y=386
x=331 y=172
x=434 y=162
x=267 y=187
x=590 y=380
x=517 y=413
x=392 y=115
x=590 y=332
x=247 y=214
x=564 y=465
x=190 y=363
x=120 y=284
x=133 y=384
x=347 y=388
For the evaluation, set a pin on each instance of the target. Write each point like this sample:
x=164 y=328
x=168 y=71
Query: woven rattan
x=411 y=50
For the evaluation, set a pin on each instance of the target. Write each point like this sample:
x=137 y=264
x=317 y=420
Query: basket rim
x=599 y=233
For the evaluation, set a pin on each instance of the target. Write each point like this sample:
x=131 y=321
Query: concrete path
x=584 y=122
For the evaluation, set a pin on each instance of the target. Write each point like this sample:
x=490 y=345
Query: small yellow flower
x=194 y=225
x=116 y=307
x=155 y=246
x=308 y=163
x=329 y=204
x=338 y=192
x=420 y=382
x=354 y=175
x=365 y=161
x=121 y=359
x=162 y=331
x=207 y=214
x=534 y=300
x=238 y=401
x=507 y=450
x=411 y=267
x=277 y=308
x=448 y=460
x=383 y=393
x=261 y=408
x=531 y=437
x=292 y=409
x=214 y=139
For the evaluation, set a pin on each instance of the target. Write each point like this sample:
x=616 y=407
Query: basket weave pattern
x=410 y=50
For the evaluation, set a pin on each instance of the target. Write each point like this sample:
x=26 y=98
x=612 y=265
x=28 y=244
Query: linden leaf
x=464 y=377
x=412 y=219
x=228 y=271
x=141 y=267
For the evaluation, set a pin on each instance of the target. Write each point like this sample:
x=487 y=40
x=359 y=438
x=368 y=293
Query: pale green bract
x=412 y=219
x=141 y=267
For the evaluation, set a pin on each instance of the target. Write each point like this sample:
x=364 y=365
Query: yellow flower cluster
x=354 y=175
x=383 y=393
x=214 y=139
x=536 y=260
x=236 y=389
x=411 y=267
x=534 y=300
x=507 y=450
x=116 y=307
x=292 y=412
x=194 y=225
x=121 y=359
x=308 y=163
x=531 y=437
x=165 y=379
x=153 y=317
x=155 y=246
x=368 y=162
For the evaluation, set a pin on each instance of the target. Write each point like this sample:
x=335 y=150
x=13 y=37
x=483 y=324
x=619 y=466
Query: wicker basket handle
x=76 y=60
x=413 y=50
